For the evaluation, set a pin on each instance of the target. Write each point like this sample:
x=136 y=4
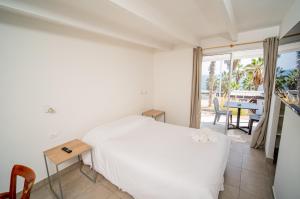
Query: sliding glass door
x=247 y=87
x=229 y=79
x=215 y=90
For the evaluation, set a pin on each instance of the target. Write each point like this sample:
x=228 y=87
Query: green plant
x=224 y=83
x=238 y=71
x=280 y=78
x=234 y=85
x=291 y=79
x=256 y=69
x=247 y=83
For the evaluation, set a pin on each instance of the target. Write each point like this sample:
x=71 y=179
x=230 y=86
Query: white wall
x=287 y=177
x=172 y=84
x=272 y=126
x=88 y=82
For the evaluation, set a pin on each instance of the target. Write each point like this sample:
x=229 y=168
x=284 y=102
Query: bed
x=154 y=160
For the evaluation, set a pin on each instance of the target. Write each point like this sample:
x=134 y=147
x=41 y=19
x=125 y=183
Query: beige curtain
x=195 y=97
x=270 y=58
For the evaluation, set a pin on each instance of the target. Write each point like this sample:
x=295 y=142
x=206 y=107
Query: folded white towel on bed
x=204 y=136
x=200 y=137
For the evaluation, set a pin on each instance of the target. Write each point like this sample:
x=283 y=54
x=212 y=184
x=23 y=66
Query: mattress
x=154 y=160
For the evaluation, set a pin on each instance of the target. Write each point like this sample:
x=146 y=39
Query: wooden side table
x=154 y=114
x=57 y=156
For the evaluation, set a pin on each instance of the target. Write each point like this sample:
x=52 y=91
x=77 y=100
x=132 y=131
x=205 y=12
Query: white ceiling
x=158 y=24
x=259 y=13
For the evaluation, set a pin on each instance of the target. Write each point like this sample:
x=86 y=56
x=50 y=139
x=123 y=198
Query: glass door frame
x=233 y=55
x=229 y=93
x=229 y=55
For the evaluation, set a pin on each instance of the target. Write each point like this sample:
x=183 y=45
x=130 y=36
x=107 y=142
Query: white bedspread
x=154 y=160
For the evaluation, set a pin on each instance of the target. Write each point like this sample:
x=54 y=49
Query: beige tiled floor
x=247 y=176
x=76 y=185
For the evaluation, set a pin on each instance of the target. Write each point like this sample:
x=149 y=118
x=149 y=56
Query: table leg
x=48 y=175
x=93 y=168
x=94 y=178
x=49 y=179
x=238 y=118
x=59 y=182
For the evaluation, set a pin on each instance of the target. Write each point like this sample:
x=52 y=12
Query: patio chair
x=253 y=100
x=260 y=104
x=256 y=117
x=219 y=112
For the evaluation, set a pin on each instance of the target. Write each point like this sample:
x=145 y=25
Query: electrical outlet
x=144 y=92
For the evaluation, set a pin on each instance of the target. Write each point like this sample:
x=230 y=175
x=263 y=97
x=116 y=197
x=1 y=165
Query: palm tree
x=211 y=81
x=247 y=82
x=256 y=68
x=235 y=63
x=238 y=72
x=280 y=79
x=291 y=80
x=224 y=83
x=234 y=85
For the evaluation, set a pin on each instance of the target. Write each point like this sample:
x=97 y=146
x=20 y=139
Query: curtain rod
x=246 y=43
x=233 y=45
x=291 y=35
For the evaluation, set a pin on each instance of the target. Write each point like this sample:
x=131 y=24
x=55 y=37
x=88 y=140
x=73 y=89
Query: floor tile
x=44 y=192
x=255 y=184
x=123 y=195
x=75 y=181
x=97 y=191
x=109 y=185
x=114 y=196
x=255 y=165
x=229 y=192
x=232 y=176
x=235 y=159
x=246 y=195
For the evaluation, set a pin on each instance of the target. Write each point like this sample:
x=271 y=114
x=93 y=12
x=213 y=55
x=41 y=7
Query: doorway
x=235 y=77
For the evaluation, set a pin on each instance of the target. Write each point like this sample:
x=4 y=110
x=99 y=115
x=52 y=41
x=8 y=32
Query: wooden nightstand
x=57 y=156
x=154 y=114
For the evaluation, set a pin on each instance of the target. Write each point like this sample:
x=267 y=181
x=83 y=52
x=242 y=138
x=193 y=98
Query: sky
x=287 y=60
x=221 y=66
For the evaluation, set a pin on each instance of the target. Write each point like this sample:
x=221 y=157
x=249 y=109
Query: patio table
x=239 y=106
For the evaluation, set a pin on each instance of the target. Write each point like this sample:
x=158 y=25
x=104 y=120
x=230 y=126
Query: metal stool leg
x=59 y=182
x=94 y=178
x=49 y=180
x=250 y=126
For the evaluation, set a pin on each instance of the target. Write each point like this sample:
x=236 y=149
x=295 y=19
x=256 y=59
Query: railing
x=235 y=95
